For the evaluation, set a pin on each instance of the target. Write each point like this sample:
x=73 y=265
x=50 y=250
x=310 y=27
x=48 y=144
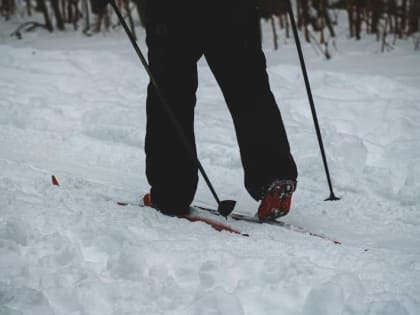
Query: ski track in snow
x=77 y=110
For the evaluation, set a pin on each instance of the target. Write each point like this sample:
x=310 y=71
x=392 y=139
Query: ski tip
x=54 y=181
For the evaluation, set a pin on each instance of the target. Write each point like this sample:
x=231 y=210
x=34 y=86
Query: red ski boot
x=277 y=200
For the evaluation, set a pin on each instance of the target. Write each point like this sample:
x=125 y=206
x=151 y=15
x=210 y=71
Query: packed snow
x=74 y=107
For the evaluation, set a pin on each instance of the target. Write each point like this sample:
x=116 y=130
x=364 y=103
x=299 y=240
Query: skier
x=227 y=34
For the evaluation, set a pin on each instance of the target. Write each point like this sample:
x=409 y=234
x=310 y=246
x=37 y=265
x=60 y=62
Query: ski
x=252 y=219
x=196 y=216
x=193 y=216
x=198 y=211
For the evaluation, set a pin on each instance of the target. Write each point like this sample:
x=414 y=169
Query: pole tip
x=226 y=207
x=332 y=197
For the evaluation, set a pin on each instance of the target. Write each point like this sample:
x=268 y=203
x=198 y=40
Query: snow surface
x=74 y=107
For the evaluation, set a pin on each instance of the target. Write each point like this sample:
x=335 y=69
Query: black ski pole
x=225 y=207
x=311 y=100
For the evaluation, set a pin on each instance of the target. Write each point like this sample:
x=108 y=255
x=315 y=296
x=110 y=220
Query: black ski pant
x=226 y=33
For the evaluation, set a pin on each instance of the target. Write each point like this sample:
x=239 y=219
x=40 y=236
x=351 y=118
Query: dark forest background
x=389 y=20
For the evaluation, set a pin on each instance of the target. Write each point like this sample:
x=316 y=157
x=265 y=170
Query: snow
x=75 y=107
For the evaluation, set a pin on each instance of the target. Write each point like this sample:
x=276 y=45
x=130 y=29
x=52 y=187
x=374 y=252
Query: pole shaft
x=311 y=100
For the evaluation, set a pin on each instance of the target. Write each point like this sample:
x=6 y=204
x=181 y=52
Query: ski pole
x=225 y=207
x=311 y=100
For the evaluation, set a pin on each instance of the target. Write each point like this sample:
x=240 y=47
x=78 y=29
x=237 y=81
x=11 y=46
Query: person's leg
x=234 y=54
x=170 y=168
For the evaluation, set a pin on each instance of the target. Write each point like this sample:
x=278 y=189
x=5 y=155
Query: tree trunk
x=86 y=29
x=358 y=19
x=126 y=5
x=305 y=18
x=327 y=18
x=414 y=16
x=350 y=15
x=58 y=17
x=43 y=8
x=28 y=7
x=275 y=37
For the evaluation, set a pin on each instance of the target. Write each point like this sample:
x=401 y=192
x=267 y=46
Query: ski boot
x=276 y=200
x=171 y=211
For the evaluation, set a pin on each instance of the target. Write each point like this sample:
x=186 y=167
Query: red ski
x=193 y=216
x=196 y=216
x=254 y=219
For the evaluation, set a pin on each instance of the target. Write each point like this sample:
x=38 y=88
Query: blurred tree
x=57 y=14
x=99 y=8
x=7 y=8
x=42 y=7
x=401 y=18
x=414 y=16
